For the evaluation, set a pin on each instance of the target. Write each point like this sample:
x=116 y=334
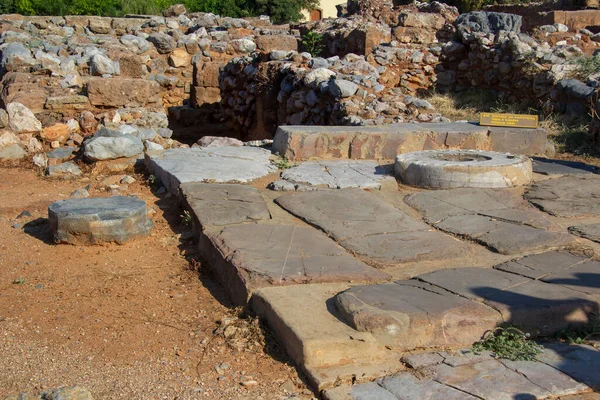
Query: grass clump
x=586 y=66
x=509 y=343
x=284 y=163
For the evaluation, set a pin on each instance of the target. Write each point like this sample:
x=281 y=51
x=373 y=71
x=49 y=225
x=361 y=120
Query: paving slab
x=371 y=228
x=341 y=174
x=498 y=219
x=489 y=380
x=323 y=347
x=406 y=386
x=214 y=204
x=410 y=314
x=589 y=231
x=247 y=257
x=583 y=277
x=225 y=164
x=299 y=143
x=548 y=166
x=421 y=360
x=567 y=196
x=97 y=220
x=580 y=362
x=534 y=306
x=537 y=266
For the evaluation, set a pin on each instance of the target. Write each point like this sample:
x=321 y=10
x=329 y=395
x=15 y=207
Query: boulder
x=108 y=148
x=179 y=58
x=21 y=119
x=16 y=57
x=102 y=65
x=315 y=77
x=12 y=152
x=3 y=119
x=342 y=88
x=59 y=133
x=164 y=43
x=174 y=10
x=487 y=22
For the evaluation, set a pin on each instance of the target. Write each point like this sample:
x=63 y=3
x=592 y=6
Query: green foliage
x=282 y=11
x=509 y=343
x=284 y=163
x=187 y=218
x=586 y=65
x=19 y=281
x=313 y=43
x=580 y=336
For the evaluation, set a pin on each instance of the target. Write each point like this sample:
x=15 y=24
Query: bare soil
x=135 y=321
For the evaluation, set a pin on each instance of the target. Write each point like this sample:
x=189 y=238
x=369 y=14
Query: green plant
x=284 y=163
x=585 y=66
x=580 y=336
x=313 y=43
x=186 y=217
x=152 y=179
x=19 y=281
x=510 y=343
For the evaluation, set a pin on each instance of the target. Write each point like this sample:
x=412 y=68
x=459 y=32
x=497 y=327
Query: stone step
x=369 y=227
x=299 y=143
x=248 y=257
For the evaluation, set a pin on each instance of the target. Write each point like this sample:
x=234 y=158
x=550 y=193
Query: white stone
x=21 y=119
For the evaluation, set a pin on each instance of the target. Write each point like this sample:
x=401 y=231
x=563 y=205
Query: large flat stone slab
x=580 y=362
x=368 y=226
x=341 y=174
x=299 y=143
x=216 y=204
x=589 y=231
x=538 y=266
x=248 y=257
x=567 y=196
x=97 y=220
x=535 y=306
x=306 y=322
x=411 y=314
x=497 y=219
x=583 y=277
x=225 y=164
x=547 y=166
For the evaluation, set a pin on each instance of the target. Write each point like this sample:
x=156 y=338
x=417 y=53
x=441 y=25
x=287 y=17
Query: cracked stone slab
x=532 y=305
x=590 y=231
x=489 y=380
x=548 y=166
x=411 y=314
x=368 y=226
x=96 y=220
x=225 y=164
x=341 y=174
x=406 y=386
x=537 y=266
x=497 y=219
x=567 y=196
x=580 y=362
x=583 y=277
x=216 y=204
x=251 y=256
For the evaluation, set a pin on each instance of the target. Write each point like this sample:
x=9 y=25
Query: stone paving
x=316 y=264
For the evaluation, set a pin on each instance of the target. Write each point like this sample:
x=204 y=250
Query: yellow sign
x=512 y=120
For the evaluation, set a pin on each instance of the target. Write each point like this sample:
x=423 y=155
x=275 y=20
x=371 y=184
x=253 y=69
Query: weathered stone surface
x=407 y=386
x=412 y=314
x=248 y=257
x=533 y=305
x=207 y=141
x=57 y=132
x=299 y=143
x=218 y=164
x=164 y=43
x=95 y=220
x=268 y=43
x=342 y=88
x=370 y=227
x=583 y=277
x=590 y=231
x=547 y=166
x=568 y=196
x=12 y=152
x=538 y=266
x=498 y=219
x=341 y=174
x=66 y=170
x=223 y=204
x=121 y=92
x=580 y=362
x=443 y=169
x=108 y=148
x=3 y=118
x=422 y=360
x=101 y=65
x=21 y=119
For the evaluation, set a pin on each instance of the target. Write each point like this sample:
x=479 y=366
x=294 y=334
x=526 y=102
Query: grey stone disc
x=95 y=220
x=446 y=169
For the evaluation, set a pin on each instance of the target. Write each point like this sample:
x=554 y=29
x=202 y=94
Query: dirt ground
x=133 y=321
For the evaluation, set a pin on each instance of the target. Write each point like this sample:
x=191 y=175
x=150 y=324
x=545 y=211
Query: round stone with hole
x=447 y=169
x=96 y=220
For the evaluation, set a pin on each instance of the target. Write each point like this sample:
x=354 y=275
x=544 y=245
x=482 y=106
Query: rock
x=243 y=46
x=174 y=10
x=66 y=170
x=122 y=92
x=40 y=160
x=164 y=43
x=107 y=148
x=80 y=193
x=96 y=220
x=179 y=58
x=8 y=139
x=269 y=43
x=101 y=65
x=342 y=88
x=12 y=152
x=87 y=122
x=151 y=146
x=99 y=25
x=21 y=119
x=165 y=132
x=62 y=153
x=568 y=196
x=207 y=141
x=58 y=132
x=590 y=231
x=3 y=119
x=575 y=88
x=317 y=76
x=487 y=22
x=16 y=57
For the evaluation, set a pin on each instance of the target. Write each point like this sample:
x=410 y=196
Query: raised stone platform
x=97 y=220
x=299 y=143
x=209 y=164
x=371 y=228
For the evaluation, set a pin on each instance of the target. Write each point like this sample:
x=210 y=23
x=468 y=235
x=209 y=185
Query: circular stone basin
x=96 y=220
x=446 y=169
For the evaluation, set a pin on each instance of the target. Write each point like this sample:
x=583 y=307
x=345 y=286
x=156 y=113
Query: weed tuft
x=509 y=343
